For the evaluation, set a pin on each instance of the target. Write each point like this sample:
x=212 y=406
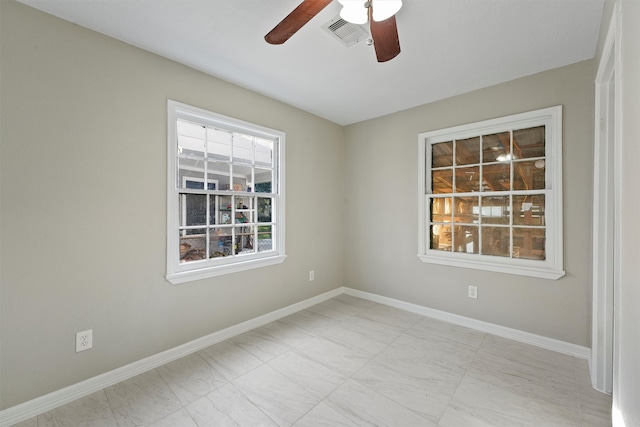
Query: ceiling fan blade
x=385 y=37
x=295 y=20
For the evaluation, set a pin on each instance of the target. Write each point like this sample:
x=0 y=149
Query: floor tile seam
x=292 y=346
x=462 y=377
x=549 y=372
x=248 y=398
x=350 y=376
x=37 y=417
x=111 y=408
x=378 y=394
x=260 y=356
x=398 y=402
x=501 y=414
x=306 y=413
x=574 y=411
x=183 y=408
x=452 y=395
x=166 y=383
x=229 y=380
x=538 y=400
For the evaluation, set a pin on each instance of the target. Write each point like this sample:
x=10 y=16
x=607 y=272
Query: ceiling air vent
x=348 y=34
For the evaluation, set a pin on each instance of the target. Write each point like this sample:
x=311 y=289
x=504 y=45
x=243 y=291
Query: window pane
x=193 y=209
x=264 y=152
x=218 y=144
x=465 y=239
x=244 y=240
x=242 y=148
x=218 y=173
x=468 y=151
x=442 y=181
x=242 y=180
x=529 y=175
x=529 y=210
x=221 y=242
x=467 y=179
x=529 y=243
x=496 y=147
x=191 y=138
x=193 y=245
x=213 y=200
x=495 y=241
x=442 y=154
x=528 y=143
x=224 y=209
x=441 y=237
x=263 y=180
x=244 y=210
x=441 y=209
x=466 y=210
x=495 y=210
x=265 y=238
x=264 y=209
x=496 y=177
x=190 y=152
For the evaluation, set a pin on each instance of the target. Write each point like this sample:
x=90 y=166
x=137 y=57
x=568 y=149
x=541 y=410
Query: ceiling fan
x=379 y=13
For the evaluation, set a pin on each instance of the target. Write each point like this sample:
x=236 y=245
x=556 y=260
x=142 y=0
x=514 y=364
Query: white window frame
x=549 y=268
x=178 y=272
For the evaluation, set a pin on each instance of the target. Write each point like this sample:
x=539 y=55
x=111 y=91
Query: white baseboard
x=24 y=411
x=502 y=331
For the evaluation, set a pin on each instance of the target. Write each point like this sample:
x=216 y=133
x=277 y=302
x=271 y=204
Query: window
x=225 y=195
x=491 y=195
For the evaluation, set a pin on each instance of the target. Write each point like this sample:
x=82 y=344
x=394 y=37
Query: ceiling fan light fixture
x=354 y=11
x=385 y=9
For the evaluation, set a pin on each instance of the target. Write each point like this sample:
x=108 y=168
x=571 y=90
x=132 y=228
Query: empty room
x=319 y=213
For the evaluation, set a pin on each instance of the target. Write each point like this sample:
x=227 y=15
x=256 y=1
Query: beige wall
x=381 y=210
x=83 y=223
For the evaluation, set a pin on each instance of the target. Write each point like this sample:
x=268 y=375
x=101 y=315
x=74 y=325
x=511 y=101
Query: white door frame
x=606 y=209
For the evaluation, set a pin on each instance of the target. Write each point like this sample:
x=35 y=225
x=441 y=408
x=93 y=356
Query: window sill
x=220 y=270
x=520 y=270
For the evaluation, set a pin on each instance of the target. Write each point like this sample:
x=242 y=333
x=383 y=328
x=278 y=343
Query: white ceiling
x=448 y=47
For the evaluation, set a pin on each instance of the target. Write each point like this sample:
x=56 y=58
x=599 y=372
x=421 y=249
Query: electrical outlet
x=473 y=292
x=312 y=275
x=84 y=340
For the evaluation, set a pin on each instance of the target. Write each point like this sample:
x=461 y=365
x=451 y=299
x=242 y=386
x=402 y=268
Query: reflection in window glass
x=442 y=181
x=528 y=143
x=441 y=237
x=496 y=147
x=529 y=210
x=529 y=243
x=529 y=175
x=442 y=155
x=496 y=177
x=466 y=209
x=468 y=151
x=495 y=210
x=468 y=179
x=466 y=239
x=495 y=241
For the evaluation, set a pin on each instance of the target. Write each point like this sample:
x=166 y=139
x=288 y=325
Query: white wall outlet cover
x=473 y=292
x=84 y=340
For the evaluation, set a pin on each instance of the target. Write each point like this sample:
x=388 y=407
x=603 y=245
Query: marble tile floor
x=351 y=362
